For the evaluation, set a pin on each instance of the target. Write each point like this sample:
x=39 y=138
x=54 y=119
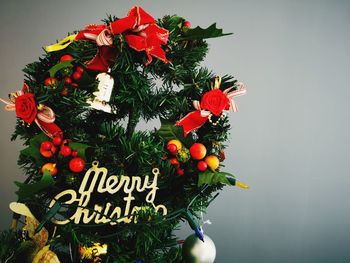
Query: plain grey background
x=290 y=140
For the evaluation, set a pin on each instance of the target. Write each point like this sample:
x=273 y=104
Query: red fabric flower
x=215 y=101
x=26 y=107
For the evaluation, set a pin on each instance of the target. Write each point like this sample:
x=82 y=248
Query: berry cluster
x=49 y=149
x=196 y=156
x=70 y=75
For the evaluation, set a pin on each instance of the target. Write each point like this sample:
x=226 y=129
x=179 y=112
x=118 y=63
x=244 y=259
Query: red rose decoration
x=26 y=107
x=215 y=101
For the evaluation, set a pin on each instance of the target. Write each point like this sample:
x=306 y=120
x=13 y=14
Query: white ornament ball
x=196 y=251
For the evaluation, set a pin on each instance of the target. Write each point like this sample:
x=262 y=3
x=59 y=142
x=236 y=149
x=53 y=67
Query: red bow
x=142 y=34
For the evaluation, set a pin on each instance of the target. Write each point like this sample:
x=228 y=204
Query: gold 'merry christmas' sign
x=96 y=179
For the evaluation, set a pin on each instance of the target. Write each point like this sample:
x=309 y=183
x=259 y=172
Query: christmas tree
x=98 y=190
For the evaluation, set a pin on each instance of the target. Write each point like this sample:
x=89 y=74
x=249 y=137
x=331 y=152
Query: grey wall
x=290 y=140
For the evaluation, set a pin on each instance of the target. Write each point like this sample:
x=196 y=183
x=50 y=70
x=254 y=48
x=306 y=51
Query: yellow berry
x=213 y=162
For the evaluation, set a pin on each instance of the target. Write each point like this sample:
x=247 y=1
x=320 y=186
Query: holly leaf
x=65 y=64
x=213 y=178
x=28 y=190
x=33 y=150
x=168 y=131
x=80 y=148
x=201 y=33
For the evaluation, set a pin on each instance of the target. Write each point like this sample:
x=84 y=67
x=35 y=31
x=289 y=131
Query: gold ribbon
x=61 y=44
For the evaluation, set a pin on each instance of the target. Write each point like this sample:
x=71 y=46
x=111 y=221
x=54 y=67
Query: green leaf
x=28 y=190
x=200 y=33
x=80 y=148
x=59 y=66
x=33 y=150
x=169 y=131
x=175 y=22
x=47 y=217
x=213 y=178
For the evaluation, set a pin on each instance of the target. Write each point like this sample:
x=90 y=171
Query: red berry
x=76 y=165
x=66 y=57
x=46 y=145
x=46 y=154
x=57 y=140
x=65 y=150
x=75 y=85
x=202 y=166
x=76 y=75
x=187 y=24
x=50 y=81
x=67 y=80
x=180 y=171
x=79 y=69
x=172 y=148
x=64 y=92
x=74 y=153
x=174 y=161
x=47 y=149
x=198 y=151
x=222 y=155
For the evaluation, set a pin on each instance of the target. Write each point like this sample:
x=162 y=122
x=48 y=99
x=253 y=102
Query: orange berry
x=51 y=167
x=213 y=162
x=198 y=151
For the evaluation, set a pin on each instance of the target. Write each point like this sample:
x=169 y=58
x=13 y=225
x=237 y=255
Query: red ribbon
x=141 y=33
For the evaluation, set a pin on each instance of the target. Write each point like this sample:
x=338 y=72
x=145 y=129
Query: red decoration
x=24 y=104
x=26 y=107
x=57 y=141
x=202 y=166
x=215 y=101
x=141 y=33
x=172 y=148
x=67 y=80
x=76 y=75
x=77 y=165
x=180 y=171
x=50 y=81
x=80 y=70
x=65 y=150
x=198 y=151
x=174 y=161
x=47 y=149
x=187 y=24
x=64 y=92
x=66 y=57
x=46 y=145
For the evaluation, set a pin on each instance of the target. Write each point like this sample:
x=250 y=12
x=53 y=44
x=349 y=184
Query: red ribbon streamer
x=192 y=121
x=141 y=33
